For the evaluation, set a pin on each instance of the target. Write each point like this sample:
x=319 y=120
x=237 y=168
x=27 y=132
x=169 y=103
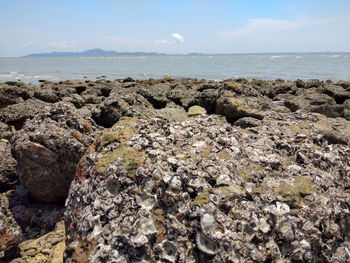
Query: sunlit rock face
x=203 y=190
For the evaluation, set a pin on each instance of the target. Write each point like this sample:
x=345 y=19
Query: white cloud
x=263 y=26
x=174 y=38
x=177 y=37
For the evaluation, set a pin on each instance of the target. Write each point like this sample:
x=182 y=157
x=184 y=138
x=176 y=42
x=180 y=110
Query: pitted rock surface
x=8 y=175
x=48 y=149
x=10 y=232
x=202 y=190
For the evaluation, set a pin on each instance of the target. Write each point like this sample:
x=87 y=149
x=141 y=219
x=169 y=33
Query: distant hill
x=94 y=53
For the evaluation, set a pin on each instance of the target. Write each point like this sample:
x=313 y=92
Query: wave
x=273 y=57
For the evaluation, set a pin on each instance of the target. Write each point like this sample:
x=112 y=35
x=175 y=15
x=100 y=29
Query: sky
x=181 y=26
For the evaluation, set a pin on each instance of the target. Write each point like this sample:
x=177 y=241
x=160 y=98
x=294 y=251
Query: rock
x=156 y=95
x=48 y=149
x=313 y=83
x=8 y=175
x=300 y=83
x=207 y=99
x=12 y=94
x=155 y=189
x=47 y=248
x=344 y=83
x=335 y=131
x=234 y=86
x=6 y=131
x=46 y=94
x=247 y=122
x=331 y=111
x=10 y=232
x=272 y=91
x=120 y=104
x=34 y=218
x=311 y=100
x=338 y=93
x=17 y=114
x=183 y=96
x=347 y=109
x=235 y=108
x=76 y=100
x=196 y=110
x=178 y=114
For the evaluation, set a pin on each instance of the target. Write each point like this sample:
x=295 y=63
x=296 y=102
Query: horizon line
x=135 y=53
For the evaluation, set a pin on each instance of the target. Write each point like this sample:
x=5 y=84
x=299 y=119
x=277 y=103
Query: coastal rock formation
x=8 y=175
x=6 y=131
x=47 y=149
x=202 y=190
x=234 y=108
x=10 y=232
x=47 y=248
x=16 y=114
x=12 y=93
x=271 y=184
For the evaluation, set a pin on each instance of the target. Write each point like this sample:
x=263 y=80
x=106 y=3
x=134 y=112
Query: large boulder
x=17 y=114
x=234 y=108
x=312 y=100
x=47 y=248
x=12 y=94
x=8 y=175
x=118 y=104
x=48 y=149
x=156 y=94
x=338 y=93
x=46 y=93
x=183 y=95
x=202 y=190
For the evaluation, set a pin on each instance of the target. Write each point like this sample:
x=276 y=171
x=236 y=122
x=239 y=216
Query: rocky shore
x=175 y=171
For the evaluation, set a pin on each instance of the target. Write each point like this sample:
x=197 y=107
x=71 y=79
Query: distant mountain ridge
x=95 y=53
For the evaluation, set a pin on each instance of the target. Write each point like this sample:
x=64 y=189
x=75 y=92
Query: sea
x=289 y=66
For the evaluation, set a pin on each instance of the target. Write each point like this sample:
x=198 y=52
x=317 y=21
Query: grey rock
x=247 y=122
x=48 y=149
x=6 y=131
x=10 y=232
x=16 y=114
x=8 y=175
x=201 y=189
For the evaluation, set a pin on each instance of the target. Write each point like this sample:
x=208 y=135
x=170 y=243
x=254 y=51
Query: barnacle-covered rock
x=10 y=232
x=202 y=190
x=47 y=150
x=8 y=175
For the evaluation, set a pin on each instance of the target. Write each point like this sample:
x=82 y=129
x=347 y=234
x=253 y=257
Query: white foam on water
x=273 y=57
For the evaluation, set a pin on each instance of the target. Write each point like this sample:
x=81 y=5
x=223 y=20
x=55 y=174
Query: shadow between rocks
x=34 y=218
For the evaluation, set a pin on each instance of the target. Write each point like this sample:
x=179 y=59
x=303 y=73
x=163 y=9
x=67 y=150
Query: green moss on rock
x=292 y=193
x=202 y=198
x=132 y=159
x=159 y=220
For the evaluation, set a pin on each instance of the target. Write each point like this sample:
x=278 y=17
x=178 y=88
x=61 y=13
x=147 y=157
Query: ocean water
x=324 y=66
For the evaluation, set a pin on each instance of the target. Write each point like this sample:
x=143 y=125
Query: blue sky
x=182 y=26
